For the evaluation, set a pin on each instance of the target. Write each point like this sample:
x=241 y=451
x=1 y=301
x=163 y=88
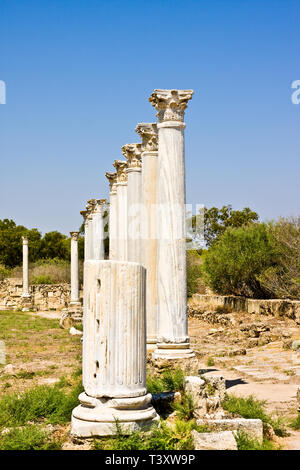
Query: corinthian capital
x=148 y=133
x=84 y=214
x=121 y=167
x=91 y=206
x=112 y=179
x=170 y=104
x=133 y=154
x=74 y=236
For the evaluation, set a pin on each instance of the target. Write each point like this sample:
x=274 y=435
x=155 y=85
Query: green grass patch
x=31 y=437
x=252 y=408
x=210 y=362
x=163 y=437
x=52 y=403
x=244 y=442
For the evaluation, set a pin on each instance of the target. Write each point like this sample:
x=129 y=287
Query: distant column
x=26 y=292
x=148 y=134
x=74 y=269
x=121 y=185
x=132 y=152
x=112 y=178
x=98 y=221
x=90 y=207
x=173 y=340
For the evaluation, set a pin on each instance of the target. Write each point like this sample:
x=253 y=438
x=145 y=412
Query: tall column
x=114 y=352
x=84 y=215
x=98 y=229
x=148 y=134
x=90 y=207
x=132 y=152
x=26 y=292
x=112 y=178
x=74 y=269
x=173 y=341
x=121 y=185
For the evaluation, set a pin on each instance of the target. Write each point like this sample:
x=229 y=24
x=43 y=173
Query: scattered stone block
x=252 y=427
x=224 y=440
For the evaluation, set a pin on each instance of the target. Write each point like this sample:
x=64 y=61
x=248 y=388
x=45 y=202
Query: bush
x=295 y=424
x=283 y=279
x=4 y=272
x=41 y=279
x=194 y=272
x=168 y=381
x=31 y=437
x=244 y=442
x=234 y=263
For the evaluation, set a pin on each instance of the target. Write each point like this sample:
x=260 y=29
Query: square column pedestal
x=114 y=351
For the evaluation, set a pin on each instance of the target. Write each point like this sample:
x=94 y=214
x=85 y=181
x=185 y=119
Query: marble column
x=26 y=292
x=74 y=269
x=90 y=207
x=114 y=352
x=98 y=229
x=121 y=186
x=112 y=225
x=132 y=153
x=84 y=215
x=173 y=340
x=148 y=134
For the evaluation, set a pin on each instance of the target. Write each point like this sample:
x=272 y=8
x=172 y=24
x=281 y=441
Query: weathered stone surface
x=207 y=394
x=296 y=345
x=252 y=427
x=75 y=332
x=224 y=440
x=298 y=398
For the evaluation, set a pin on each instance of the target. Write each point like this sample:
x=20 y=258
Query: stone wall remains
x=274 y=307
x=43 y=296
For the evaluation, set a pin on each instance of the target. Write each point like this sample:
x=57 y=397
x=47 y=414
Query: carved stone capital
x=91 y=206
x=84 y=214
x=112 y=179
x=170 y=104
x=148 y=133
x=25 y=240
x=74 y=236
x=133 y=154
x=121 y=168
x=100 y=206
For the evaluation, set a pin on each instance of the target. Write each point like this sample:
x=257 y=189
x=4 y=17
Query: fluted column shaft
x=173 y=340
x=74 y=269
x=26 y=292
x=98 y=230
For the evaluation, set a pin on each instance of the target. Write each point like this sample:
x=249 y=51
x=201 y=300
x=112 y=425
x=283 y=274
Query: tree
x=11 y=243
x=55 y=245
x=216 y=221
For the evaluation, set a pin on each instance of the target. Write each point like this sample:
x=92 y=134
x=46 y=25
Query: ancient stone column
x=98 y=229
x=84 y=215
x=121 y=186
x=114 y=351
x=90 y=208
x=148 y=134
x=132 y=152
x=112 y=178
x=74 y=269
x=26 y=292
x=173 y=341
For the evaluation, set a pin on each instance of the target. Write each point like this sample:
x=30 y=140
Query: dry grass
x=57 y=271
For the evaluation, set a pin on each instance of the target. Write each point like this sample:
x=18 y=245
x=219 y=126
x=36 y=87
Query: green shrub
x=194 y=272
x=235 y=262
x=185 y=409
x=252 y=408
x=296 y=423
x=168 y=381
x=43 y=279
x=4 y=272
x=244 y=442
x=210 y=362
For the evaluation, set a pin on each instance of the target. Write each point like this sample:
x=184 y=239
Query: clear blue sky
x=79 y=74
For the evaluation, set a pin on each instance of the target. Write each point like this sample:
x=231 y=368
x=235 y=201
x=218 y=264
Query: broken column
x=112 y=178
x=173 y=340
x=132 y=153
x=26 y=296
x=114 y=352
x=74 y=269
x=121 y=186
x=148 y=134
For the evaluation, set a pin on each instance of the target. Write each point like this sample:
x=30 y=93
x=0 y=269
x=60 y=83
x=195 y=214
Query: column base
x=26 y=302
x=173 y=351
x=75 y=303
x=97 y=416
